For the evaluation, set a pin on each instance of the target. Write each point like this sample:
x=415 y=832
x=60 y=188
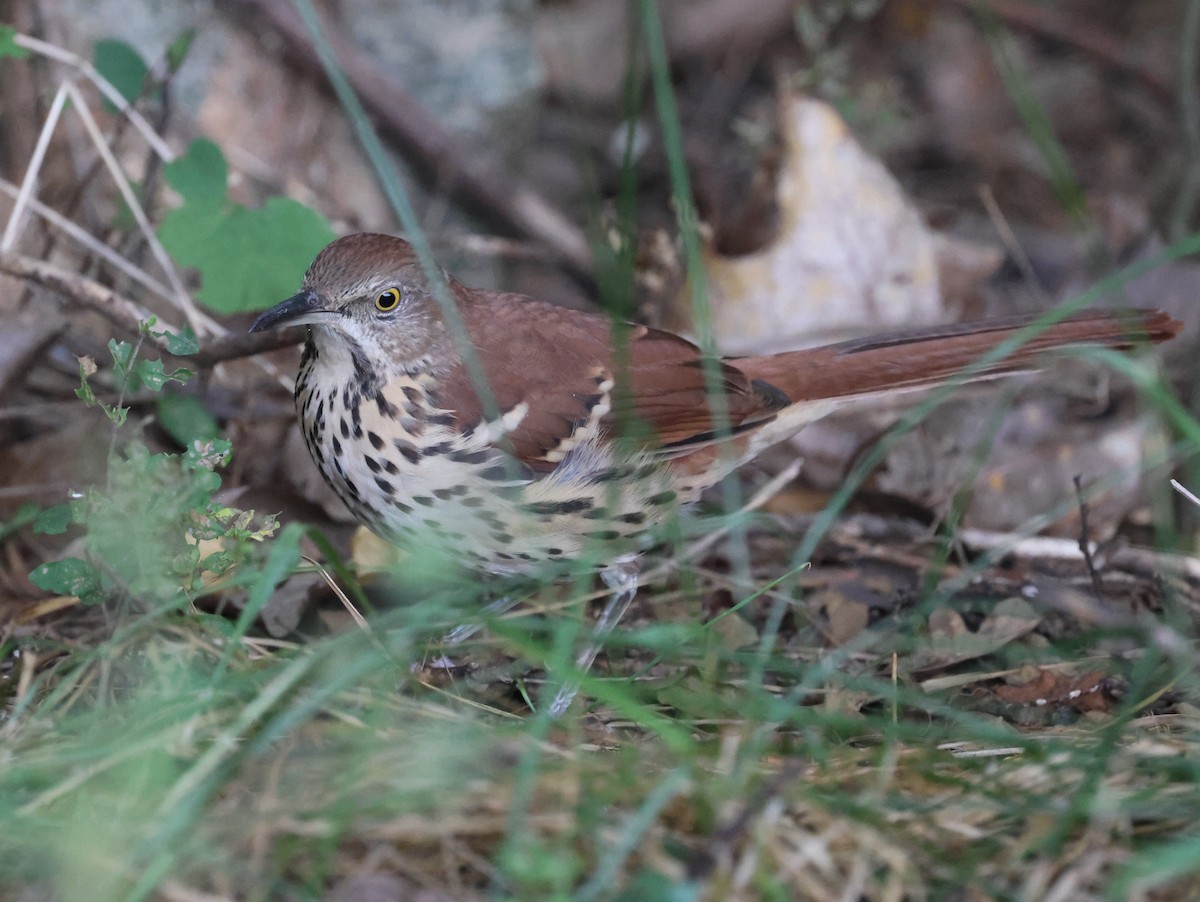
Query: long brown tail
x=926 y=357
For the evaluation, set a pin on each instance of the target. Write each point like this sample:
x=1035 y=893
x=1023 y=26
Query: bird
x=512 y=433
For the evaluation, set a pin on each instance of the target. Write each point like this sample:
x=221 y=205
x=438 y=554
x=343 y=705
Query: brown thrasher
x=589 y=446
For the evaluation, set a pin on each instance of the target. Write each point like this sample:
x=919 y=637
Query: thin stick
x=103 y=85
x=1009 y=239
x=1085 y=546
x=1186 y=493
x=129 y=315
x=35 y=166
x=90 y=244
x=199 y=322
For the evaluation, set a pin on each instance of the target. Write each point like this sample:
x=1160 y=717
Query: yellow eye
x=388 y=300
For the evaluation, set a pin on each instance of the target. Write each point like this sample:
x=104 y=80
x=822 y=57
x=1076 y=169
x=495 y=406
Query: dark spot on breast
x=402 y=507
x=423 y=500
x=438 y=449
x=502 y=537
x=337 y=449
x=572 y=506
x=442 y=419
x=386 y=408
x=635 y=517
x=372 y=464
x=554 y=552
x=606 y=535
x=384 y=486
x=443 y=494
x=408 y=449
x=661 y=498
x=375 y=440
x=611 y=475
x=413 y=394
x=390 y=467
x=473 y=501
x=362 y=368
x=470 y=457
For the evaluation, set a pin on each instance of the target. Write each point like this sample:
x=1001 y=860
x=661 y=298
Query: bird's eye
x=388 y=300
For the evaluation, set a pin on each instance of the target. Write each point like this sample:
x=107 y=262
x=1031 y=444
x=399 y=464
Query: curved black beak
x=297 y=310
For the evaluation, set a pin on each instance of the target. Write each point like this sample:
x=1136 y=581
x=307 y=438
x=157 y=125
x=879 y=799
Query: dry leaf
x=952 y=642
x=852 y=250
x=1091 y=691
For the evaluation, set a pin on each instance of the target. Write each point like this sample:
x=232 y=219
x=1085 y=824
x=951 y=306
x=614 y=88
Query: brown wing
x=562 y=365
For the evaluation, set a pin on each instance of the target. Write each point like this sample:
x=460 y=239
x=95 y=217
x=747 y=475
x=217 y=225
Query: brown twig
x=129 y=315
x=474 y=178
x=1050 y=22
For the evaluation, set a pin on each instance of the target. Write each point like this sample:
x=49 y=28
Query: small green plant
x=247 y=258
x=147 y=529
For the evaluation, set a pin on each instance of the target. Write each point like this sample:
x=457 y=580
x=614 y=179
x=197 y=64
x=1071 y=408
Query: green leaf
x=122 y=353
x=208 y=455
x=9 y=48
x=186 y=419
x=178 y=50
x=200 y=174
x=70 y=576
x=248 y=259
x=53 y=521
x=123 y=66
x=183 y=343
x=153 y=376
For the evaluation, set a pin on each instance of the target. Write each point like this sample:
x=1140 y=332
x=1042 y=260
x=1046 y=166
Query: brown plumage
x=398 y=429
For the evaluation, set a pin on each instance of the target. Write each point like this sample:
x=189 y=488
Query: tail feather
x=924 y=358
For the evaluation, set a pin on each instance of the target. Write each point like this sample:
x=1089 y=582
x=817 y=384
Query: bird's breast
x=412 y=473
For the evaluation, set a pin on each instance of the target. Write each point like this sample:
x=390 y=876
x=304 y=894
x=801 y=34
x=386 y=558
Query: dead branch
x=128 y=315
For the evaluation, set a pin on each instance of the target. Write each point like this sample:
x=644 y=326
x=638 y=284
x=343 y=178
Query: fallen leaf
x=852 y=249
x=951 y=641
x=1091 y=691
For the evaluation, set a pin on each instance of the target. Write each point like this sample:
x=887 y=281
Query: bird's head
x=367 y=300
